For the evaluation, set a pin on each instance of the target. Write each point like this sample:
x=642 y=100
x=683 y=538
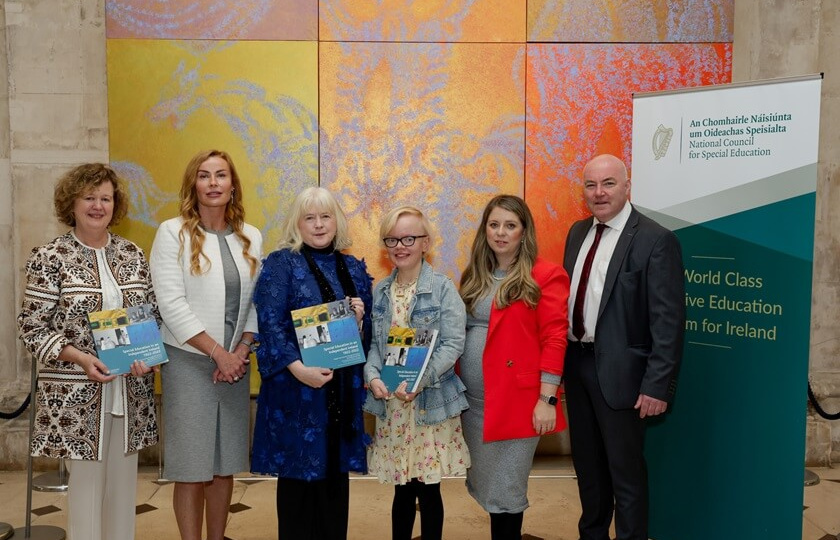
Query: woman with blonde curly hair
x=204 y=266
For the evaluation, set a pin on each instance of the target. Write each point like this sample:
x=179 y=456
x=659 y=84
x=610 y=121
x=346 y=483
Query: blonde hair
x=477 y=279
x=234 y=213
x=78 y=182
x=309 y=200
x=390 y=219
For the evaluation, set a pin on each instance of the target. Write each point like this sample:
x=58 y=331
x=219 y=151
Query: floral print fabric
x=403 y=450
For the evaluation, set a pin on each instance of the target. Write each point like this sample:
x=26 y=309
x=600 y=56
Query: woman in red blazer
x=513 y=359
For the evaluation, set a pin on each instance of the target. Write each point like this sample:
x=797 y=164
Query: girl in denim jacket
x=418 y=437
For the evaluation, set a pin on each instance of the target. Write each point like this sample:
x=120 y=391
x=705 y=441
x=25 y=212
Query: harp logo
x=661 y=140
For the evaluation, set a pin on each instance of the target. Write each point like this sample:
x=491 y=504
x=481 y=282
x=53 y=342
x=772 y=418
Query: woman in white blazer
x=204 y=265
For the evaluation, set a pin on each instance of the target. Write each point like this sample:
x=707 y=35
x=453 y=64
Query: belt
x=588 y=346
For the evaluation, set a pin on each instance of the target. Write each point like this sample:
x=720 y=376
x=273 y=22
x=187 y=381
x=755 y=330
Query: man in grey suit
x=627 y=319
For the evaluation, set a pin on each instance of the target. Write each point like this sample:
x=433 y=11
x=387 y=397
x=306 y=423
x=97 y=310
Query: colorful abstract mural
x=171 y=99
x=580 y=105
x=427 y=21
x=651 y=21
x=414 y=124
x=212 y=19
x=438 y=103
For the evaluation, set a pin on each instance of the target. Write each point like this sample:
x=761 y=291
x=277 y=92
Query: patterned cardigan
x=62 y=285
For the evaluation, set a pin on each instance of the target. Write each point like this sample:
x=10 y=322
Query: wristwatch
x=252 y=346
x=551 y=400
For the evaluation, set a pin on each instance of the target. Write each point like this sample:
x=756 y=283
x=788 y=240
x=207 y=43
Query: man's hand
x=649 y=406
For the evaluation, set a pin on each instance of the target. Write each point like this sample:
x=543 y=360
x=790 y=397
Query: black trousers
x=608 y=453
x=404 y=510
x=505 y=526
x=316 y=510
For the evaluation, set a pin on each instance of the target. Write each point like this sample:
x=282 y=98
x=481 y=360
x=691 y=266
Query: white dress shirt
x=598 y=273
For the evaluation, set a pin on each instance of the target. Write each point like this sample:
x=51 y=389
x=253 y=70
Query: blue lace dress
x=290 y=433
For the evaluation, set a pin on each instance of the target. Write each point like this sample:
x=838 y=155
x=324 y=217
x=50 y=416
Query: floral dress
x=402 y=449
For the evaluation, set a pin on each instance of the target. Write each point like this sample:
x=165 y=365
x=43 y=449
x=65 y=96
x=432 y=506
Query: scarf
x=340 y=401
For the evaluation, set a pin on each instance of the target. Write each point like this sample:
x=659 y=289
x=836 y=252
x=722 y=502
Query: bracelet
x=212 y=351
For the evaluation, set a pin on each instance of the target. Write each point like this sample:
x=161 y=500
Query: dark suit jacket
x=641 y=319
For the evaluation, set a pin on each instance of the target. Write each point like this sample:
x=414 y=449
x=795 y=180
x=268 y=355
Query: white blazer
x=191 y=304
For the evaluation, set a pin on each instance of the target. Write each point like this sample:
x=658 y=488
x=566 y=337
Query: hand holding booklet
x=125 y=335
x=328 y=335
x=407 y=354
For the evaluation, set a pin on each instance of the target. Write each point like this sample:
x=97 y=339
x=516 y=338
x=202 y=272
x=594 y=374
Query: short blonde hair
x=389 y=220
x=308 y=200
x=79 y=182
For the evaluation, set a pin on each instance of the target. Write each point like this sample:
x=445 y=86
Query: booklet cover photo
x=406 y=356
x=125 y=335
x=328 y=335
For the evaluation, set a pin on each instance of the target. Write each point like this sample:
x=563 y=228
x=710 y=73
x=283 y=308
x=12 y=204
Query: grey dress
x=498 y=477
x=206 y=424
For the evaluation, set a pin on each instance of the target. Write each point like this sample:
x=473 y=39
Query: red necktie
x=578 y=329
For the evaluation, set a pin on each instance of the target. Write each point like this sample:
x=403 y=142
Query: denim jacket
x=436 y=305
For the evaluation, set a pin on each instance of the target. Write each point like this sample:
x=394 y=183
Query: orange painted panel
x=438 y=126
x=654 y=21
x=579 y=100
x=422 y=21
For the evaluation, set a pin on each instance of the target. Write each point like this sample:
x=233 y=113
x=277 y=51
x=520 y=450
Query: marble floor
x=552 y=494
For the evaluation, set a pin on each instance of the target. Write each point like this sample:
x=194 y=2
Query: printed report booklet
x=127 y=334
x=328 y=335
x=406 y=356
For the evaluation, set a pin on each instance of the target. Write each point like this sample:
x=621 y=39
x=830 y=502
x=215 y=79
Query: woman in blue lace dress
x=309 y=428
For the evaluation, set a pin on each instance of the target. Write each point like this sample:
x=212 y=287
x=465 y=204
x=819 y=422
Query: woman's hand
x=401 y=394
x=231 y=367
x=378 y=389
x=544 y=417
x=316 y=377
x=139 y=368
x=93 y=367
x=358 y=307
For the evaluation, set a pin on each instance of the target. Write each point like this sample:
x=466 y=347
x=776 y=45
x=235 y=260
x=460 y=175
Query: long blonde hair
x=313 y=199
x=234 y=213
x=477 y=279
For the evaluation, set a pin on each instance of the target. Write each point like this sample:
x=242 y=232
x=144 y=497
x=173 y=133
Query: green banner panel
x=733 y=468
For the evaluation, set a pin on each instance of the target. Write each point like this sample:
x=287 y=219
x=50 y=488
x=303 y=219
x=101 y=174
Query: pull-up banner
x=732 y=169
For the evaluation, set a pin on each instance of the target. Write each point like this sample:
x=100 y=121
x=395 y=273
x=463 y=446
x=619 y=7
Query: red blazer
x=521 y=343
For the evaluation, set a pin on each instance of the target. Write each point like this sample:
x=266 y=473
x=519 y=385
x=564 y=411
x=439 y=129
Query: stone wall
x=776 y=38
x=53 y=114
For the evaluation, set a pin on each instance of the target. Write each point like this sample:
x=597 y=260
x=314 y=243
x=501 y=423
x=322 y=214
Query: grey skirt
x=205 y=425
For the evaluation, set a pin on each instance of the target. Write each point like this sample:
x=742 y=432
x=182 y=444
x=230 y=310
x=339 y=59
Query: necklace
x=209 y=229
x=401 y=290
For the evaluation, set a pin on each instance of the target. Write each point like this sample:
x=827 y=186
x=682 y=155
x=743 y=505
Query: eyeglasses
x=407 y=241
